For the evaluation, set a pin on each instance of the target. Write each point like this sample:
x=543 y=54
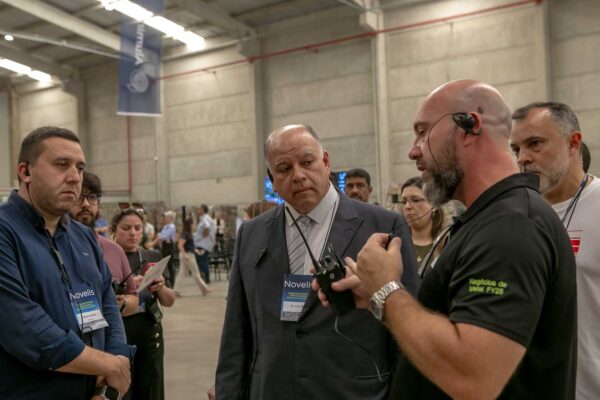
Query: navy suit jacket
x=263 y=358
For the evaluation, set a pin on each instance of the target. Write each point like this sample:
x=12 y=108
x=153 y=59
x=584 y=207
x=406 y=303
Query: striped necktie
x=296 y=246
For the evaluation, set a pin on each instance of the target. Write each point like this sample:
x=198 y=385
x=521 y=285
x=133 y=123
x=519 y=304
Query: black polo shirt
x=508 y=267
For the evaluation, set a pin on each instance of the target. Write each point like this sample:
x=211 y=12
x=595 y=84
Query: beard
x=444 y=178
x=87 y=219
x=552 y=175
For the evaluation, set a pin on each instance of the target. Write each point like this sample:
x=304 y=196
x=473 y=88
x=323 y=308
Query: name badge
x=86 y=308
x=293 y=296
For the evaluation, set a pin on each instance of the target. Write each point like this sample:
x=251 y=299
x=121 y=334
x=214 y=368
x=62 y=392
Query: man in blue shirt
x=61 y=334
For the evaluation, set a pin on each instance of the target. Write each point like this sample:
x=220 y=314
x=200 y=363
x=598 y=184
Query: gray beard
x=443 y=182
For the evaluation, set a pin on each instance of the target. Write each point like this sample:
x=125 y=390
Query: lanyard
x=59 y=262
x=573 y=204
x=65 y=277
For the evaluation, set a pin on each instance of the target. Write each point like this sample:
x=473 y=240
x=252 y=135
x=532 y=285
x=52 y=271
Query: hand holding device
x=332 y=270
x=107 y=393
x=329 y=270
x=120 y=374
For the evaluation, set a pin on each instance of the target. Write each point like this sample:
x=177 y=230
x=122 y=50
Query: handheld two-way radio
x=329 y=269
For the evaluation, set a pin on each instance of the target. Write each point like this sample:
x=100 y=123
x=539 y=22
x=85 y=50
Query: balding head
x=286 y=130
x=473 y=96
x=460 y=126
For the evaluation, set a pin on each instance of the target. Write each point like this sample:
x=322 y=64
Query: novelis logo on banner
x=139 y=65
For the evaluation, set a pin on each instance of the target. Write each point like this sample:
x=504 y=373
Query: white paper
x=154 y=273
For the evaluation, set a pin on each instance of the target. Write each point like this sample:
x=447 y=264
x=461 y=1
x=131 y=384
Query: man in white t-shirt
x=546 y=139
x=204 y=240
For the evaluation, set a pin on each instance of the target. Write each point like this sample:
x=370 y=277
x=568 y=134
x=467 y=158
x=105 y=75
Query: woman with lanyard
x=425 y=221
x=144 y=328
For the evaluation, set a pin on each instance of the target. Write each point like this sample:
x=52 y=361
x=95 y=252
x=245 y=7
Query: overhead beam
x=356 y=4
x=67 y=21
x=32 y=26
x=64 y=73
x=285 y=8
x=215 y=16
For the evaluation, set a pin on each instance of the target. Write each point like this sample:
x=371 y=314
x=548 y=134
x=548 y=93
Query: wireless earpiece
x=466 y=122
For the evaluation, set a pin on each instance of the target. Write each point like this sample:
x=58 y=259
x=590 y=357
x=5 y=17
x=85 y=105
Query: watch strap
x=382 y=294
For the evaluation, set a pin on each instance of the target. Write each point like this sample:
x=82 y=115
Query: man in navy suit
x=278 y=344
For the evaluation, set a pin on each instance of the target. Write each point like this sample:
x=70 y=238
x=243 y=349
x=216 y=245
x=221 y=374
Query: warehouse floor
x=192 y=329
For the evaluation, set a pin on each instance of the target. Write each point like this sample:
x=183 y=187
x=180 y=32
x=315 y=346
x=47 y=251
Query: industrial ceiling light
x=157 y=22
x=191 y=39
x=40 y=76
x=9 y=38
x=24 y=70
x=164 y=25
x=14 y=66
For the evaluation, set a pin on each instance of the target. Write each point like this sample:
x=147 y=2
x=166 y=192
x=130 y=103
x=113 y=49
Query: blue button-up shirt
x=38 y=327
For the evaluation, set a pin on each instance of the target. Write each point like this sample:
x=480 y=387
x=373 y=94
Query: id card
x=86 y=308
x=293 y=296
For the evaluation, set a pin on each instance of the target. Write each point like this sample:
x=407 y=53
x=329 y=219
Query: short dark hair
x=414 y=181
x=561 y=113
x=31 y=147
x=91 y=183
x=586 y=157
x=204 y=208
x=359 y=173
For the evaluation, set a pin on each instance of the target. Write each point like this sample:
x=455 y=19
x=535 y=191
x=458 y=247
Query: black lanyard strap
x=573 y=204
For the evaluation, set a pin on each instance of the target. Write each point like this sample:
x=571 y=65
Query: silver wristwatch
x=378 y=298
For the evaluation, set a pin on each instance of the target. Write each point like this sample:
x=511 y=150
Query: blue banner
x=139 y=65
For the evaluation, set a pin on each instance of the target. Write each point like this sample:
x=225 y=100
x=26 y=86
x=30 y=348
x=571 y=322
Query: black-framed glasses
x=92 y=198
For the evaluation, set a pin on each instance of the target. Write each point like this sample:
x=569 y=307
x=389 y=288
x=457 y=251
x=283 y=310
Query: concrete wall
x=576 y=65
x=47 y=107
x=107 y=131
x=5 y=159
x=209 y=132
x=497 y=47
x=207 y=146
x=330 y=89
x=108 y=139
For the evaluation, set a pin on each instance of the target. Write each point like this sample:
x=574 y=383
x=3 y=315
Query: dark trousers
x=202 y=261
x=147 y=373
x=168 y=249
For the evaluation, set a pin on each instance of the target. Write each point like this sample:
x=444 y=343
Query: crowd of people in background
x=58 y=201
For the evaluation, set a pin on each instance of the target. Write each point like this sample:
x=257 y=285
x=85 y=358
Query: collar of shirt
x=321 y=212
x=523 y=179
x=31 y=214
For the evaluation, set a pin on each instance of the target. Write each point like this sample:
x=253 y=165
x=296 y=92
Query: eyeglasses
x=124 y=205
x=92 y=198
x=414 y=200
